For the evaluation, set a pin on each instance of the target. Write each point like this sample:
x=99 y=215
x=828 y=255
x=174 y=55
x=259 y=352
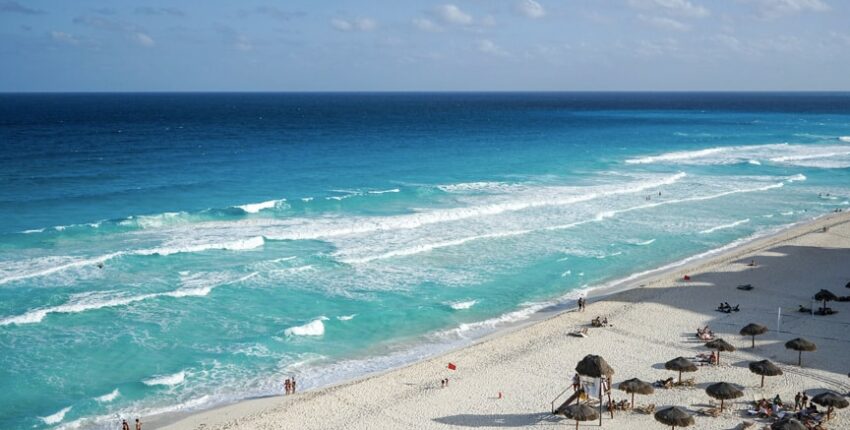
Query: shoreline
x=234 y=415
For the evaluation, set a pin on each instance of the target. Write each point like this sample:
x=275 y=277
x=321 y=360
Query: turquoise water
x=173 y=252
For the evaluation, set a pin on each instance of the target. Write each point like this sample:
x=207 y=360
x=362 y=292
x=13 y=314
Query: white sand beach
x=650 y=324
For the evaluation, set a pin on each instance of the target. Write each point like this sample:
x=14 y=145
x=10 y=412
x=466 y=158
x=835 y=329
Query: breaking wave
x=312 y=328
x=166 y=380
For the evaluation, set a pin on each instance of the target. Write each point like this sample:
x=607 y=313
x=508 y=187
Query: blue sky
x=423 y=45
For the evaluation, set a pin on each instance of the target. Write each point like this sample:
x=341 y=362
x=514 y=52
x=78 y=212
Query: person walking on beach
x=293 y=385
x=576 y=382
x=797 y=399
x=138 y=424
x=125 y=425
x=287 y=386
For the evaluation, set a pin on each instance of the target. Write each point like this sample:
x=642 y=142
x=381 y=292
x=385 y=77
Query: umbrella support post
x=762 y=381
x=800 y=358
x=600 y=404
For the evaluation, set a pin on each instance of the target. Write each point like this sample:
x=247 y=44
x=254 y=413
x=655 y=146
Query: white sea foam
x=808 y=155
x=236 y=245
x=312 y=328
x=463 y=305
x=106 y=299
x=108 y=397
x=57 y=417
x=35 y=230
x=394 y=190
x=795 y=178
x=346 y=317
x=154 y=221
x=844 y=139
x=166 y=380
x=725 y=226
x=306 y=199
x=57 y=264
x=567 y=273
x=474 y=186
x=253 y=208
x=645 y=242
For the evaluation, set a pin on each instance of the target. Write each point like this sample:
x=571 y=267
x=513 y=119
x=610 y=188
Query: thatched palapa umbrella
x=788 y=424
x=720 y=345
x=764 y=368
x=753 y=330
x=580 y=412
x=830 y=400
x=799 y=344
x=680 y=364
x=595 y=366
x=825 y=296
x=674 y=416
x=635 y=385
x=723 y=391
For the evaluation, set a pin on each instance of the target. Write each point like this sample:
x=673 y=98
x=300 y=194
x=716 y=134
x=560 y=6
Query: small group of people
x=801 y=400
x=289 y=385
x=582 y=304
x=725 y=307
x=705 y=333
x=444 y=383
x=126 y=426
x=599 y=321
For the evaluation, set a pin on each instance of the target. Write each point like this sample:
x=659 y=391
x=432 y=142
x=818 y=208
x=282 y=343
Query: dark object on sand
x=680 y=364
x=636 y=386
x=825 y=296
x=719 y=345
x=788 y=424
x=723 y=391
x=745 y=287
x=580 y=412
x=830 y=400
x=753 y=330
x=799 y=344
x=674 y=416
x=764 y=368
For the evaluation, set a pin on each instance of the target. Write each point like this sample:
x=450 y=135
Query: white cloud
x=453 y=15
x=531 y=8
x=144 y=40
x=664 y=23
x=356 y=24
x=777 y=8
x=426 y=24
x=489 y=47
x=675 y=7
x=65 y=38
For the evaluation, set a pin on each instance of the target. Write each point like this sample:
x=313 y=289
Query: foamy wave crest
x=394 y=190
x=795 y=178
x=353 y=226
x=346 y=317
x=312 y=328
x=463 y=305
x=725 y=226
x=465 y=187
x=253 y=208
x=236 y=245
x=154 y=221
x=55 y=418
x=106 y=299
x=643 y=243
x=166 y=380
x=108 y=397
x=50 y=265
x=677 y=156
x=808 y=155
x=844 y=139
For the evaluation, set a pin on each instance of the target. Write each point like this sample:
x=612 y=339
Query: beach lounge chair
x=582 y=332
x=648 y=409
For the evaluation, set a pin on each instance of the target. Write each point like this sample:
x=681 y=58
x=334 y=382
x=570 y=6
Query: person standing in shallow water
x=287 y=386
x=293 y=385
x=138 y=424
x=125 y=425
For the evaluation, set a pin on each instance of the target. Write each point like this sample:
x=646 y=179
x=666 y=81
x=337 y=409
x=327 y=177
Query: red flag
x=452 y=366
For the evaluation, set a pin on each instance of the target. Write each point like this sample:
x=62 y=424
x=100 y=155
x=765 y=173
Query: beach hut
x=636 y=386
x=825 y=296
x=719 y=345
x=674 y=416
x=594 y=366
x=830 y=400
x=680 y=364
x=580 y=412
x=799 y=344
x=723 y=391
x=753 y=330
x=764 y=368
x=788 y=424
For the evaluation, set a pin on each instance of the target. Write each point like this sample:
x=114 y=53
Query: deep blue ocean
x=171 y=252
